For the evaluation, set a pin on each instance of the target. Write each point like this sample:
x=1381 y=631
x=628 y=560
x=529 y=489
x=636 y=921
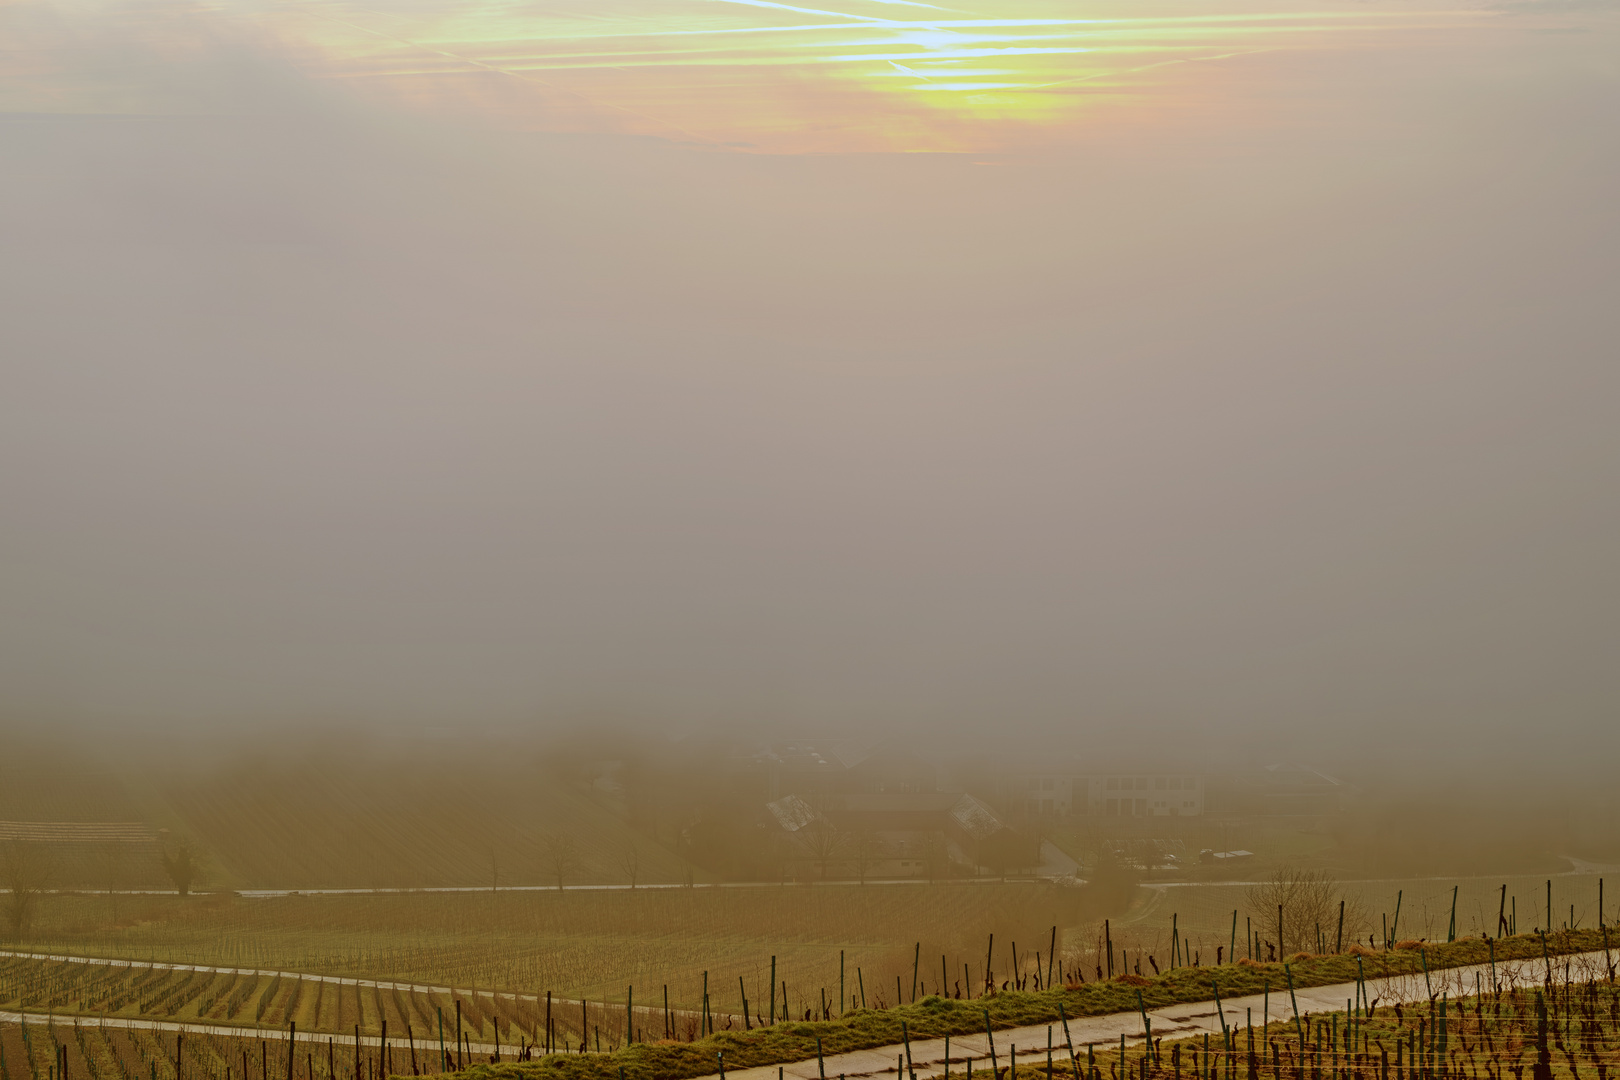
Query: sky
x=1228 y=370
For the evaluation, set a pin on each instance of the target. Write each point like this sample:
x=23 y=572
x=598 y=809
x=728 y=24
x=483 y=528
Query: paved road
x=264 y=894
x=1056 y=866
x=928 y=1057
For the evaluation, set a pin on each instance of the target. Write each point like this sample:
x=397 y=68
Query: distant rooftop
x=975 y=818
x=792 y=812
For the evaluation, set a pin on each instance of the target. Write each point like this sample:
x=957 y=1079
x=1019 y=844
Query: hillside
x=331 y=819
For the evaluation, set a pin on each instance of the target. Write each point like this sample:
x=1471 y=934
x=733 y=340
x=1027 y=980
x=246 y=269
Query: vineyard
x=1555 y=1030
x=595 y=945
x=145 y=1004
x=1386 y=994
x=73 y=991
x=82 y=1049
x=589 y=945
x=1204 y=912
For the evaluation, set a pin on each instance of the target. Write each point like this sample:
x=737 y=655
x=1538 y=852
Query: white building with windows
x=1037 y=791
x=1143 y=794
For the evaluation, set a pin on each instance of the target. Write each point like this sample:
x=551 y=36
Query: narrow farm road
x=928 y=1056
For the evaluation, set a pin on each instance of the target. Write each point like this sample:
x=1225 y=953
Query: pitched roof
x=792 y=812
x=975 y=818
x=851 y=752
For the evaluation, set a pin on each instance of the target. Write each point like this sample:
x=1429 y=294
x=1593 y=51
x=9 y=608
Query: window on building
x=1141 y=783
x=1158 y=783
x=1113 y=783
x=1046 y=783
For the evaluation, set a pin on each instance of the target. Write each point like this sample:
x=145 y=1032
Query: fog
x=1276 y=417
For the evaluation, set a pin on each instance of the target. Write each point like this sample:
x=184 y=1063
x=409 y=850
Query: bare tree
x=824 y=842
x=562 y=857
x=112 y=865
x=866 y=849
x=26 y=870
x=1111 y=882
x=630 y=862
x=183 y=864
x=1309 y=904
x=936 y=857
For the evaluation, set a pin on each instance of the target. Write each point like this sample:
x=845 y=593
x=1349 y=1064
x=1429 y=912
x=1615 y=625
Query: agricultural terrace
x=1405 y=1042
x=826 y=962
x=1447 y=1037
x=594 y=945
x=575 y=944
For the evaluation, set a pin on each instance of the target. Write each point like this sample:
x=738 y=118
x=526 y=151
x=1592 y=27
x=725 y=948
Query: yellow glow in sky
x=857 y=74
